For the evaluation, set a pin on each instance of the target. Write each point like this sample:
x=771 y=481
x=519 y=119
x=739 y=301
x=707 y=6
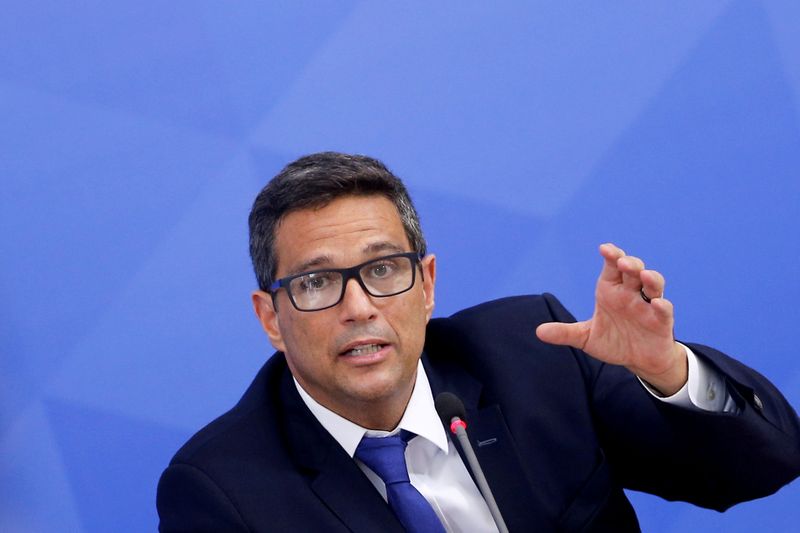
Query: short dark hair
x=314 y=181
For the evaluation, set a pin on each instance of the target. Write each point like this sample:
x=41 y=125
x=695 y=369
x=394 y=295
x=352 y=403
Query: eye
x=315 y=282
x=382 y=269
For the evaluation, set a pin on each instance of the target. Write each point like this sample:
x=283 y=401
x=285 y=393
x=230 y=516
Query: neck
x=378 y=416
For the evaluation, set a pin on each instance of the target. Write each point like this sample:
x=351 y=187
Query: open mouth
x=363 y=349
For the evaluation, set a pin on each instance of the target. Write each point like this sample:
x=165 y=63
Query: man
x=561 y=420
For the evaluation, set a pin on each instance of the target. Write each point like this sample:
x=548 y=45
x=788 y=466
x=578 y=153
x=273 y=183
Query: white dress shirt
x=704 y=389
x=436 y=469
x=434 y=466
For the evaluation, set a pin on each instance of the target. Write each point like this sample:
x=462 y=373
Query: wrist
x=671 y=380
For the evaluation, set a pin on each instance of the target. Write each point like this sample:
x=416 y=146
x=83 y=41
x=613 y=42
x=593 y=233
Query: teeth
x=365 y=349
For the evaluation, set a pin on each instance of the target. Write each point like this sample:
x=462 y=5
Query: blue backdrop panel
x=135 y=136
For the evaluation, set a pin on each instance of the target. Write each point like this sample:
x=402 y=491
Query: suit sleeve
x=189 y=500
x=714 y=460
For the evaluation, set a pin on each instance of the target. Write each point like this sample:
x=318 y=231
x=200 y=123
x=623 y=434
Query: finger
x=631 y=268
x=574 y=334
x=664 y=310
x=611 y=254
x=652 y=283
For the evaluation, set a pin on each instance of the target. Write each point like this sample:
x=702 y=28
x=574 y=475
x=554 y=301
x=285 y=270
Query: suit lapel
x=494 y=446
x=333 y=475
x=345 y=490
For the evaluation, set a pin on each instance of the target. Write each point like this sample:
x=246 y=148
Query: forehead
x=343 y=232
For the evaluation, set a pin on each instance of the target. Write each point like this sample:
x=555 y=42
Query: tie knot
x=385 y=456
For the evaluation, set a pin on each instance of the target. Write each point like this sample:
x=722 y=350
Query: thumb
x=574 y=334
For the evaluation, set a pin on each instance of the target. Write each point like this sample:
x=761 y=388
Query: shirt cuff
x=705 y=389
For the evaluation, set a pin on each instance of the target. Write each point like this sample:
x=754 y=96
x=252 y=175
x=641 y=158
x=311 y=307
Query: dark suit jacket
x=558 y=434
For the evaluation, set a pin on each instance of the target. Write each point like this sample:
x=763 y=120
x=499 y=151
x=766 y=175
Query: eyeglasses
x=320 y=289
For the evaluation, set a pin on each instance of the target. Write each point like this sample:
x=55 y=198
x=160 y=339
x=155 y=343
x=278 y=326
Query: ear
x=268 y=316
x=428 y=266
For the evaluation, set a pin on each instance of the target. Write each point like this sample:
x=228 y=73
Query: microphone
x=451 y=411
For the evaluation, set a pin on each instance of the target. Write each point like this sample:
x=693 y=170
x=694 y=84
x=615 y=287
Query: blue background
x=134 y=137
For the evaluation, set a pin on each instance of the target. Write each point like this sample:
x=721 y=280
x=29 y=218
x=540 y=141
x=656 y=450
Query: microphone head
x=448 y=405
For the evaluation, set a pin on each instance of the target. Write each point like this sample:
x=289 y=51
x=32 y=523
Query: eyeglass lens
x=386 y=276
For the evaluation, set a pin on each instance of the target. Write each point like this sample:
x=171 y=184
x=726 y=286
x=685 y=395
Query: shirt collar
x=419 y=418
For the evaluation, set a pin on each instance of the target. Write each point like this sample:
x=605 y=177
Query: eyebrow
x=383 y=246
x=311 y=264
x=322 y=261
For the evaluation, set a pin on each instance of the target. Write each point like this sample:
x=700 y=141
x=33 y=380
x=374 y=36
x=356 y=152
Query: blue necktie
x=386 y=457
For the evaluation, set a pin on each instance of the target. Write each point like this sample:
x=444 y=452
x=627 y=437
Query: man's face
x=319 y=344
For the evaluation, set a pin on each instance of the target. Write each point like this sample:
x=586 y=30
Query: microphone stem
x=483 y=486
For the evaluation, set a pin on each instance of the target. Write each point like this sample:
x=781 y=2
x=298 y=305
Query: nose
x=356 y=304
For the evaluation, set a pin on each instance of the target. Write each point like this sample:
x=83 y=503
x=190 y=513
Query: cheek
x=292 y=334
x=413 y=326
x=307 y=338
x=304 y=351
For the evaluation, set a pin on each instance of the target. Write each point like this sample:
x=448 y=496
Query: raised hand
x=626 y=329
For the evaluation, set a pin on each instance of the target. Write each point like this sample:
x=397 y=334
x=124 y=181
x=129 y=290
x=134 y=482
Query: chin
x=378 y=388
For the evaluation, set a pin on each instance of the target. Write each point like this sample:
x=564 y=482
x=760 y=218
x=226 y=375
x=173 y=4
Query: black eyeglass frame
x=349 y=273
